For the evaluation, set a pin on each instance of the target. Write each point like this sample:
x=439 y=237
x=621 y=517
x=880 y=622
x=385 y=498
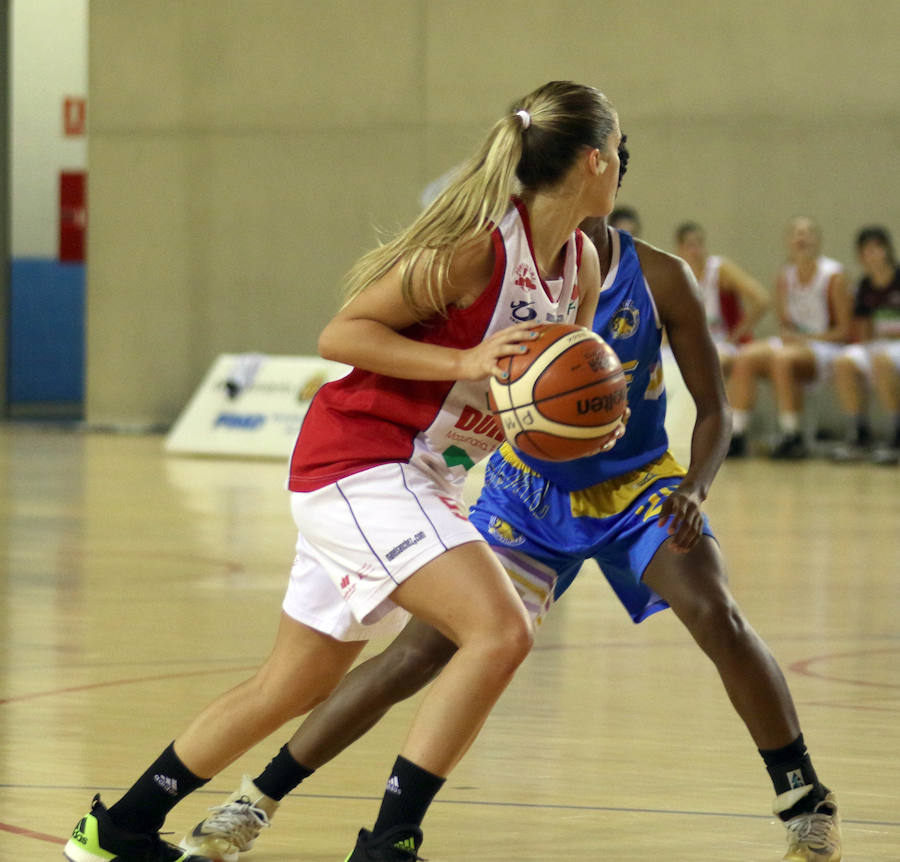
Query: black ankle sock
x=789 y=768
x=282 y=775
x=410 y=790
x=862 y=432
x=144 y=807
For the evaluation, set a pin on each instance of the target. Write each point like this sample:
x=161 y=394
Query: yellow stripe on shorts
x=616 y=495
x=508 y=454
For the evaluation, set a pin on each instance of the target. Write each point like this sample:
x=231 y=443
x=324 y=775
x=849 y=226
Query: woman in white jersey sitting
x=733 y=299
x=813 y=306
x=378 y=468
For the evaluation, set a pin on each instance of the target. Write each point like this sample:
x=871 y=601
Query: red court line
x=803 y=667
x=28 y=833
x=112 y=682
x=230 y=566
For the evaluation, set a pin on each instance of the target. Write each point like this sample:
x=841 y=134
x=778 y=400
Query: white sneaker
x=812 y=837
x=233 y=826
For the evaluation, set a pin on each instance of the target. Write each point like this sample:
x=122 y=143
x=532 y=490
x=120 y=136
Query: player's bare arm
x=589 y=281
x=681 y=313
x=753 y=295
x=841 y=310
x=367 y=331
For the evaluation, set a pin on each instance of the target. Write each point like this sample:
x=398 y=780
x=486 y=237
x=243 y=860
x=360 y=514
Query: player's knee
x=740 y=367
x=781 y=363
x=511 y=642
x=882 y=364
x=844 y=366
x=717 y=624
x=408 y=667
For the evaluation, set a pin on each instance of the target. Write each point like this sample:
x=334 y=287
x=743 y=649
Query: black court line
x=546 y=806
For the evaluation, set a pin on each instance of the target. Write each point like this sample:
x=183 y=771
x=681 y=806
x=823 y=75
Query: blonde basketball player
x=377 y=470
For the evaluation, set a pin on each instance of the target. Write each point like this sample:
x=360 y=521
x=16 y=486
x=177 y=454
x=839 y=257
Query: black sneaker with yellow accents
x=400 y=844
x=97 y=839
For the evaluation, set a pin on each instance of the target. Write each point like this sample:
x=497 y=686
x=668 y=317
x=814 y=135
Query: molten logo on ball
x=564 y=398
x=605 y=403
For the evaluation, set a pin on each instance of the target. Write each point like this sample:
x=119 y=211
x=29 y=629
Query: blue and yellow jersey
x=628 y=321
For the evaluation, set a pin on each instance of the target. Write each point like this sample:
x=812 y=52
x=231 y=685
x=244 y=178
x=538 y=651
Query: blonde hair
x=518 y=154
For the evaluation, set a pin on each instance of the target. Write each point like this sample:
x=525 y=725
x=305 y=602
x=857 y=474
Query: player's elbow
x=330 y=343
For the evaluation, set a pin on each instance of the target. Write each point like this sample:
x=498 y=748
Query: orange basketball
x=564 y=398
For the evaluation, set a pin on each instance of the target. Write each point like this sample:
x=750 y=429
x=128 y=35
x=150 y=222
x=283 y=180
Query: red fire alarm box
x=72 y=216
x=74 y=115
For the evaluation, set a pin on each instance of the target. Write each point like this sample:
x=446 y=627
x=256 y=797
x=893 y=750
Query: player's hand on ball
x=619 y=433
x=682 y=510
x=482 y=361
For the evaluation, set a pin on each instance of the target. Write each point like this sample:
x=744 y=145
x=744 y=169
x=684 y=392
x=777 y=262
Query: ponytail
x=518 y=154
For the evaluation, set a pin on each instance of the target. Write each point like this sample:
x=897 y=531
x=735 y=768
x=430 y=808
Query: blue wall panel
x=46 y=332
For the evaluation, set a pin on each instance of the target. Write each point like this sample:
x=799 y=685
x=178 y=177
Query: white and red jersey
x=808 y=304
x=365 y=419
x=708 y=282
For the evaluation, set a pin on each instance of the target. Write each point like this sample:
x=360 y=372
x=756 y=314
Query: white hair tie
x=525 y=117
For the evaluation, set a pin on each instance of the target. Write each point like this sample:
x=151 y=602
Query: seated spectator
x=734 y=300
x=886 y=380
x=875 y=359
x=814 y=312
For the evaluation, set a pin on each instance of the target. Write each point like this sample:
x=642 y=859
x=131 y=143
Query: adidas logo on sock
x=393 y=785
x=170 y=785
x=795 y=778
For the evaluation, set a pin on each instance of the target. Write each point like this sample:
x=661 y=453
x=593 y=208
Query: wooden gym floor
x=137 y=586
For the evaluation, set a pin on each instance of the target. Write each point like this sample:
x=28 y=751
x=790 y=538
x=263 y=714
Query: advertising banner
x=250 y=405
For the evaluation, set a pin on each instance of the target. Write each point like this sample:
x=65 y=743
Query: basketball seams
x=547 y=398
x=536 y=407
x=561 y=429
x=540 y=362
x=611 y=377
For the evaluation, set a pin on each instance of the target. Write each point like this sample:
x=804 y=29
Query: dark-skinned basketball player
x=647 y=533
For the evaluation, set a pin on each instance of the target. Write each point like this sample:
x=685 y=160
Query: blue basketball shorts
x=544 y=534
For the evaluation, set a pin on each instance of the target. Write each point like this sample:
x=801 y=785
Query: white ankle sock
x=789 y=422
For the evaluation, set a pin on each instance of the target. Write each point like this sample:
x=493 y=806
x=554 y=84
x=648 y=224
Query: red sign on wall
x=72 y=216
x=74 y=115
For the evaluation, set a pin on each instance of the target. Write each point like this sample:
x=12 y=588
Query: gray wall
x=243 y=152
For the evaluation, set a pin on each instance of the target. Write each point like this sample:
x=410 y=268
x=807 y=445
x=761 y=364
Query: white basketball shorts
x=362 y=536
x=891 y=349
x=861 y=354
x=824 y=352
